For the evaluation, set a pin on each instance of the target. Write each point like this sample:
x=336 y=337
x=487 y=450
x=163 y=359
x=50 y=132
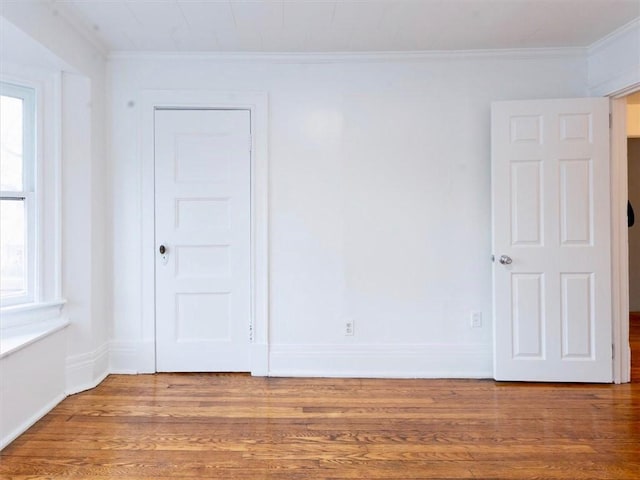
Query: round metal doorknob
x=505 y=260
x=162 y=249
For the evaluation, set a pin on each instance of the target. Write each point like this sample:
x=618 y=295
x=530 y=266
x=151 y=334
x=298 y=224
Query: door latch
x=163 y=255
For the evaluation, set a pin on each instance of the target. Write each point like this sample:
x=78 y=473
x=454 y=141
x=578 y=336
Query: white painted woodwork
x=550 y=198
x=633 y=115
x=203 y=218
x=614 y=61
x=622 y=266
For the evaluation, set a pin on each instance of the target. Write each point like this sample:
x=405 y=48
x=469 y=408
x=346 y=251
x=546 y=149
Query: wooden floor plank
x=634 y=341
x=201 y=426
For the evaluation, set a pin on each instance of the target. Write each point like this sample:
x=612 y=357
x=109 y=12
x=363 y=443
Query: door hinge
x=613 y=351
x=250 y=143
x=250 y=332
x=610 y=120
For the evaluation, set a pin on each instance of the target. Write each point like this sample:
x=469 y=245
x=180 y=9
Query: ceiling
x=344 y=25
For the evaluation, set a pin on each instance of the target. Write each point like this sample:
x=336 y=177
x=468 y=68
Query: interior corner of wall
x=86 y=370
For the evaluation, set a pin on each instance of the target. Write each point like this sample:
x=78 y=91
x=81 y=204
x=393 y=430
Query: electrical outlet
x=476 y=319
x=348 y=327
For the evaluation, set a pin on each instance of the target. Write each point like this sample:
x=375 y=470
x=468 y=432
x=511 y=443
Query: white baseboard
x=139 y=357
x=132 y=357
x=87 y=370
x=382 y=361
x=146 y=359
x=259 y=359
x=24 y=426
x=123 y=358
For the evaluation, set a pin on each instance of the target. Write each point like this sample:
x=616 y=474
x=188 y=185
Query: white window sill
x=21 y=325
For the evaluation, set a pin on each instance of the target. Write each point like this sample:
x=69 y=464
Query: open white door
x=202 y=218
x=551 y=240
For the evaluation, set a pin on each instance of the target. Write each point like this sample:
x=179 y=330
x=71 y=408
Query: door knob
x=162 y=249
x=505 y=260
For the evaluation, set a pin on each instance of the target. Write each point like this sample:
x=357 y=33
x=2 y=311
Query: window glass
x=17 y=167
x=12 y=248
x=11 y=142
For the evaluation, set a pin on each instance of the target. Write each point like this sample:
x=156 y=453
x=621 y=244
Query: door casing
x=150 y=100
x=620 y=236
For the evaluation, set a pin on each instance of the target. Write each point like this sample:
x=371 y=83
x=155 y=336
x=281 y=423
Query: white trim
x=87 y=370
x=257 y=103
x=131 y=358
x=349 y=57
x=382 y=361
x=620 y=46
x=48 y=101
x=50 y=182
x=16 y=338
x=29 y=313
x=619 y=243
x=612 y=87
x=30 y=193
x=260 y=359
x=613 y=36
x=624 y=92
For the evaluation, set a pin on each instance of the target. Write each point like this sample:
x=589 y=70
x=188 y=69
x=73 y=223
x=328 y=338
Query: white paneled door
x=202 y=236
x=551 y=240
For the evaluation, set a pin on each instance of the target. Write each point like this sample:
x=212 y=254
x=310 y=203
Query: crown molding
x=350 y=57
x=615 y=35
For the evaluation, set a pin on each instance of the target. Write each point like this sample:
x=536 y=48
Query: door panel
x=528 y=315
x=551 y=217
x=202 y=181
x=577 y=315
x=576 y=202
x=526 y=203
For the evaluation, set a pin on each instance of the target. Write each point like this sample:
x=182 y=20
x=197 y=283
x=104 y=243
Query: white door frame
x=620 y=236
x=257 y=103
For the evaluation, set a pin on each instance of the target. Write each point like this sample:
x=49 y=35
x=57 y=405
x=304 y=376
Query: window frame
x=47 y=301
x=29 y=193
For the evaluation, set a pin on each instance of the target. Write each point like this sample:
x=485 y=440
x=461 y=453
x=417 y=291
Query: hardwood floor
x=634 y=342
x=201 y=426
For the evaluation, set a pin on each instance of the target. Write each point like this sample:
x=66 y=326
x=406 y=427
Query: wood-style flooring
x=634 y=341
x=208 y=426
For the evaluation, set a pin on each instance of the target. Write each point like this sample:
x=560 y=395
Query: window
x=17 y=194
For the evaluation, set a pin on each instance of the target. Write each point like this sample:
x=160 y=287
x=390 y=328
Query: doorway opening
x=633 y=183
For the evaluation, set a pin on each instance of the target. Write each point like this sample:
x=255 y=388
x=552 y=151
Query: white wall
x=614 y=61
x=86 y=267
x=380 y=200
x=31 y=383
